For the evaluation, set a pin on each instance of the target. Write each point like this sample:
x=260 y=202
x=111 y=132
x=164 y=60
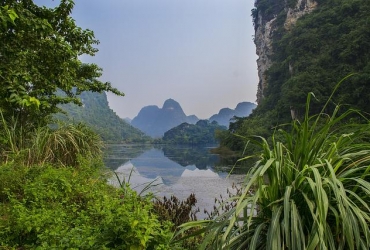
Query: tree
x=40 y=49
x=322 y=47
x=7 y=15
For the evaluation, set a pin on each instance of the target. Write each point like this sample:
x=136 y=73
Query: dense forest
x=322 y=48
x=203 y=132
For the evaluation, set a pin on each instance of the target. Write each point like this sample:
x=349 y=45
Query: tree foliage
x=203 y=132
x=317 y=52
x=53 y=194
x=40 y=53
x=7 y=16
x=320 y=50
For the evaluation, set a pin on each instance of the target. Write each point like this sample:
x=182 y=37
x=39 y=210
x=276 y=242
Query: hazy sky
x=197 y=52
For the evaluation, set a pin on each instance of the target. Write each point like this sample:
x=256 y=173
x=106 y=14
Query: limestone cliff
x=270 y=16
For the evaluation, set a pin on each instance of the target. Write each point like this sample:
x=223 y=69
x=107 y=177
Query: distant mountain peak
x=171 y=104
x=155 y=121
x=223 y=117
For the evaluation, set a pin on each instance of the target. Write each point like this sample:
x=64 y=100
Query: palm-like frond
x=310 y=190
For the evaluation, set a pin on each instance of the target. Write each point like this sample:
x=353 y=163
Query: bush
x=44 y=207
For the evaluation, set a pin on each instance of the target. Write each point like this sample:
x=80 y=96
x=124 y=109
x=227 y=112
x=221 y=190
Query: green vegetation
x=310 y=186
x=203 y=132
x=267 y=8
x=53 y=191
x=317 y=52
x=308 y=190
x=60 y=146
x=96 y=113
x=53 y=194
x=40 y=53
x=45 y=207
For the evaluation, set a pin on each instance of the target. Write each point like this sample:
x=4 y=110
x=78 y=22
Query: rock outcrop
x=268 y=15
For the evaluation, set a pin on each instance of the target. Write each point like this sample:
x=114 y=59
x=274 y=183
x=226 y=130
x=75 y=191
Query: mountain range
x=155 y=121
x=223 y=117
x=151 y=120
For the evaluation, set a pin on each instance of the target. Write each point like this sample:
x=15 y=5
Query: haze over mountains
x=155 y=121
x=96 y=113
x=223 y=117
x=151 y=120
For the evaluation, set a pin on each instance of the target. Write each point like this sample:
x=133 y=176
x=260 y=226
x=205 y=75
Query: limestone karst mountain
x=155 y=121
x=223 y=117
x=307 y=47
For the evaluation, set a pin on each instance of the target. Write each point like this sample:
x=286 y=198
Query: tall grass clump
x=308 y=190
x=59 y=146
x=65 y=144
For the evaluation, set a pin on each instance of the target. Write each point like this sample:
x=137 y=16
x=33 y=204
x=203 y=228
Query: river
x=173 y=170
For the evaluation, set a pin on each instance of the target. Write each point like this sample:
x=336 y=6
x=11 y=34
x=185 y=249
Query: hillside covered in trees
x=96 y=113
x=203 y=132
x=312 y=53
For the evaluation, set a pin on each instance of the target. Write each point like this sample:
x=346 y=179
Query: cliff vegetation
x=306 y=46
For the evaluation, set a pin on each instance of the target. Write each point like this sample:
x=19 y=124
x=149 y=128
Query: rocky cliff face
x=269 y=16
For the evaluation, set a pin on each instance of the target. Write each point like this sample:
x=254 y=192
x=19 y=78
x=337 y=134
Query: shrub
x=44 y=207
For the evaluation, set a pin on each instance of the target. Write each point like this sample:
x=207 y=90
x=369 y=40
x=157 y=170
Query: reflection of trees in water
x=232 y=163
x=116 y=155
x=186 y=156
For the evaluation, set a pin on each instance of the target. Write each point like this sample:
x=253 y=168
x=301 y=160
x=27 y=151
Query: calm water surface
x=173 y=170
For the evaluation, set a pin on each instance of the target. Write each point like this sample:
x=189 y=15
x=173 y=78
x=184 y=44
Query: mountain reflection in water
x=173 y=170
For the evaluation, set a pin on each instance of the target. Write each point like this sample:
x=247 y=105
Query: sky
x=197 y=52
